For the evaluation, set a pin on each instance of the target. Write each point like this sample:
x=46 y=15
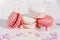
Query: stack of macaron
x=17 y=20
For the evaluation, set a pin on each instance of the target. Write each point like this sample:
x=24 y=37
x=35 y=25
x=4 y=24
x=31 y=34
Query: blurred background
x=52 y=7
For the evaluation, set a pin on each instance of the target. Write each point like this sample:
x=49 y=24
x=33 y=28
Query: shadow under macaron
x=3 y=23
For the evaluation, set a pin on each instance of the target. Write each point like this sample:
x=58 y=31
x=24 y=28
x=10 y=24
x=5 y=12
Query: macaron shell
x=19 y=21
x=37 y=14
x=49 y=20
x=29 y=26
x=28 y=20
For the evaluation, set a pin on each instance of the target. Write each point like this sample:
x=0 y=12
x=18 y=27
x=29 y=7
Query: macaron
x=29 y=23
x=15 y=20
x=46 y=22
x=35 y=14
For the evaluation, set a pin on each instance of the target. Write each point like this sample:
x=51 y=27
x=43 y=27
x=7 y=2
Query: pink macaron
x=46 y=21
x=15 y=20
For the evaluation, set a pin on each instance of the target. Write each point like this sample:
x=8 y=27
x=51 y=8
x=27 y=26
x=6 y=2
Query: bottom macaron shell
x=29 y=26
